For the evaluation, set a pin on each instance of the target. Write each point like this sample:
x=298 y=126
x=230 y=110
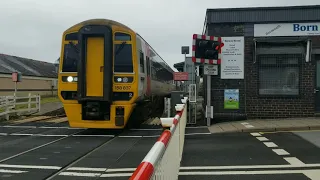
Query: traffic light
x=206 y=47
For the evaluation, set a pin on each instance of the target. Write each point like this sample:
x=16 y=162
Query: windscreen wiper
x=121 y=47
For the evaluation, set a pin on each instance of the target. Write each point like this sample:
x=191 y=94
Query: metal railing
x=14 y=104
x=163 y=160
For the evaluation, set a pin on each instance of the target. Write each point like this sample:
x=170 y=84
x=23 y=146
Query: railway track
x=46 y=148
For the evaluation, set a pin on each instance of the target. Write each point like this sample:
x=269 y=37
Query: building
x=270 y=62
x=38 y=77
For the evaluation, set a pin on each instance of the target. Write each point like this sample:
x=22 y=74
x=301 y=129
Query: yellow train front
x=104 y=71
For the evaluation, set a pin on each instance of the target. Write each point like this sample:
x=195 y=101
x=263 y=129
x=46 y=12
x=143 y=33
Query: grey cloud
x=33 y=28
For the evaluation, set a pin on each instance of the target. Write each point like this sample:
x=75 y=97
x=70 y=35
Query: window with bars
x=279 y=74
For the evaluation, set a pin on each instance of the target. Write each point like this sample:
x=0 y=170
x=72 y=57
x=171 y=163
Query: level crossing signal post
x=206 y=50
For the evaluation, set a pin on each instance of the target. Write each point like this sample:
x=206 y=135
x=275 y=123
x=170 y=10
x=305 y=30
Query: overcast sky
x=33 y=28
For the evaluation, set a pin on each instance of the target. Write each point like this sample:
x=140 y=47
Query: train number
x=120 y=88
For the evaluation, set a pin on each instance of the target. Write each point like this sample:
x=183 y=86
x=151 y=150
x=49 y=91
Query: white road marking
x=3 y=134
x=38 y=147
x=80 y=174
x=101 y=169
x=249 y=126
x=58 y=127
x=53 y=127
x=312 y=174
x=20 y=126
x=255 y=134
x=117 y=175
x=79 y=135
x=18 y=134
x=248 y=167
x=197 y=127
x=131 y=136
x=145 y=129
x=280 y=152
x=151 y=136
x=86 y=169
x=11 y=171
x=51 y=135
x=42 y=127
x=270 y=144
x=29 y=167
x=190 y=134
x=294 y=161
x=121 y=170
x=262 y=138
x=315 y=173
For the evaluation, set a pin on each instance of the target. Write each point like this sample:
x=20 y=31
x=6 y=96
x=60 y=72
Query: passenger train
x=105 y=70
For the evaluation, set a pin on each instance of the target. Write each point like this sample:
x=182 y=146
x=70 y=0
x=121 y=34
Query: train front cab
x=98 y=89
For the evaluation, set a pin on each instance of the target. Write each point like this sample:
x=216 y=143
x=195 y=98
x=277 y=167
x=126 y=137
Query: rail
x=163 y=160
x=15 y=104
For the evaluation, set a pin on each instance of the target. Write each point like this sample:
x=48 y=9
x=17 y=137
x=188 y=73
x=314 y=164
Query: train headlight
x=126 y=79
x=70 y=79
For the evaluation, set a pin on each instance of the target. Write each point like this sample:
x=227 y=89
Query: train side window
x=122 y=37
x=148 y=66
x=142 y=62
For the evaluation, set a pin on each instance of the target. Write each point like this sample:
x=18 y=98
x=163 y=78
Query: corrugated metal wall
x=256 y=15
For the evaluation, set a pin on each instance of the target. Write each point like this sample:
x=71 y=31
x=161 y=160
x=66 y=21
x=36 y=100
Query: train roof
x=155 y=52
x=100 y=21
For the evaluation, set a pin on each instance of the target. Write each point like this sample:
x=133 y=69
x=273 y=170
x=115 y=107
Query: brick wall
x=278 y=107
x=251 y=104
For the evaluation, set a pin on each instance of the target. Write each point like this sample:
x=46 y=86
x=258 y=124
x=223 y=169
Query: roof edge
x=263 y=8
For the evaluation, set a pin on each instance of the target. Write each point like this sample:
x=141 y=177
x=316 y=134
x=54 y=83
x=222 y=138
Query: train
x=106 y=71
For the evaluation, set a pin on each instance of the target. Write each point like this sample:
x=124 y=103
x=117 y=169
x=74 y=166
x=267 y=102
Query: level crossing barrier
x=163 y=160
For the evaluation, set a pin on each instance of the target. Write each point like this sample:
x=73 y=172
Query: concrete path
x=267 y=125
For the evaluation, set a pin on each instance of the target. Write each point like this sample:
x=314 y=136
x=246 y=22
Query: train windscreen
x=123 y=58
x=70 y=58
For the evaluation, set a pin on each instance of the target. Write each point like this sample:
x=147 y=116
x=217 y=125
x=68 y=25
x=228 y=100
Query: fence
x=163 y=160
x=14 y=104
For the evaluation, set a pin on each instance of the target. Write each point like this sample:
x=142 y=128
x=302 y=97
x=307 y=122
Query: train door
x=148 y=77
x=95 y=58
x=142 y=80
x=95 y=66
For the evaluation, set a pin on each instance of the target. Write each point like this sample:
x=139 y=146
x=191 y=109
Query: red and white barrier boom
x=163 y=160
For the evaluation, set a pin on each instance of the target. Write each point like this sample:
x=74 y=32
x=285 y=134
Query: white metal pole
x=185 y=70
x=15 y=89
x=209 y=100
